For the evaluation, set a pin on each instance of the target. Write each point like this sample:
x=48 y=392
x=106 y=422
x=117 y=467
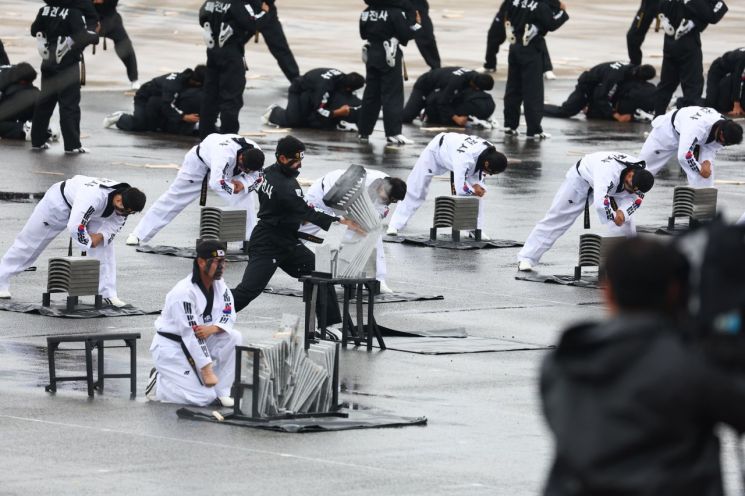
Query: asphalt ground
x=485 y=433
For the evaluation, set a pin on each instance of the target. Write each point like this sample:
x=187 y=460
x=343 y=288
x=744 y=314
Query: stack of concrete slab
x=76 y=276
x=696 y=203
x=291 y=379
x=222 y=223
x=458 y=212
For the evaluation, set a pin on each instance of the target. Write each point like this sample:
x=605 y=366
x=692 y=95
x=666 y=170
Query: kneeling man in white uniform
x=194 y=347
x=617 y=183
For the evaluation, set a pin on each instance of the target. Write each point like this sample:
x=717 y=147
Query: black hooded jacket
x=632 y=406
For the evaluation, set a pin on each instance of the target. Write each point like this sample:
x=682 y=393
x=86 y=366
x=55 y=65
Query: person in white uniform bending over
x=615 y=184
x=233 y=164
x=194 y=346
x=383 y=191
x=466 y=157
x=693 y=135
x=93 y=211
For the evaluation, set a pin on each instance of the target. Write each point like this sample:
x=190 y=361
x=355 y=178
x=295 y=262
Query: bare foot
x=208 y=376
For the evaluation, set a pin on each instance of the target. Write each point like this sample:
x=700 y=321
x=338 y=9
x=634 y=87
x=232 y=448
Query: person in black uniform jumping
x=276 y=41
x=682 y=58
x=450 y=81
x=159 y=104
x=18 y=96
x=274 y=241
x=598 y=88
x=638 y=31
x=725 y=83
x=310 y=100
x=384 y=28
x=528 y=24
x=61 y=37
x=112 y=27
x=226 y=28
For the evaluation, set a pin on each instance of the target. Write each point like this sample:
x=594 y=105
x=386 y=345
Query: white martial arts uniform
x=599 y=172
x=320 y=187
x=215 y=155
x=452 y=152
x=686 y=139
x=185 y=307
x=85 y=208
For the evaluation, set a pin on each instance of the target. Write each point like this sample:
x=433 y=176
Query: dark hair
x=290 y=147
x=643 y=179
x=352 y=81
x=497 y=161
x=641 y=274
x=645 y=72
x=23 y=71
x=253 y=159
x=133 y=199
x=483 y=81
x=732 y=132
x=198 y=74
x=398 y=188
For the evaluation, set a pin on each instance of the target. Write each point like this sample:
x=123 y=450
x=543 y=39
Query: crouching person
x=194 y=346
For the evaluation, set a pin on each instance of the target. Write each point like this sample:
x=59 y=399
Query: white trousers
x=568 y=204
x=185 y=188
x=417 y=188
x=176 y=381
x=659 y=148
x=49 y=218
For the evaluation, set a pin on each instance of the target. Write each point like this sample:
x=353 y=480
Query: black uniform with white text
x=725 y=82
x=18 y=96
x=276 y=41
x=448 y=80
x=112 y=27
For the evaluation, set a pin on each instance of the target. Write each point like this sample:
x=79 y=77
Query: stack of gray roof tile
x=76 y=276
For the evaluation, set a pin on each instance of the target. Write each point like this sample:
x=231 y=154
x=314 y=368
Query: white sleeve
x=601 y=199
x=689 y=139
x=85 y=205
x=221 y=173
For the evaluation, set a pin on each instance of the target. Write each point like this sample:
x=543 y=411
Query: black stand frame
x=72 y=301
x=94 y=341
x=454 y=233
x=315 y=286
x=239 y=388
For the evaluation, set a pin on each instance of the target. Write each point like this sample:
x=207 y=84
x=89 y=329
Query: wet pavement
x=485 y=433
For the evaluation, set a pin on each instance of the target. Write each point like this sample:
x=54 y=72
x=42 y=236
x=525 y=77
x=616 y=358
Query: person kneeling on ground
x=168 y=103
x=18 y=96
x=469 y=109
x=194 y=346
x=310 y=101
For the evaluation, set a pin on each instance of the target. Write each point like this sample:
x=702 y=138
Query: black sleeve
x=89 y=12
x=38 y=24
x=297 y=205
x=78 y=30
x=723 y=395
x=403 y=26
x=547 y=20
x=241 y=17
x=704 y=11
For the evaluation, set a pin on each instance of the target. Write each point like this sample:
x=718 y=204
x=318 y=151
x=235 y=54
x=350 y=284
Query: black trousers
x=524 y=87
x=716 y=73
x=682 y=64
x=113 y=28
x=58 y=85
x=143 y=119
x=426 y=43
x=4 y=60
x=575 y=102
x=263 y=263
x=295 y=113
x=382 y=88
x=15 y=110
x=638 y=30
x=275 y=39
x=414 y=105
x=224 y=82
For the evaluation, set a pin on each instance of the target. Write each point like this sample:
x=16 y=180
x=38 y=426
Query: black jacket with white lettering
x=282 y=208
x=380 y=23
x=540 y=13
x=57 y=23
x=238 y=16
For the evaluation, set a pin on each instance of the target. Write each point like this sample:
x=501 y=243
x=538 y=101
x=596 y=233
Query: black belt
x=200 y=157
x=189 y=358
x=62 y=191
x=309 y=237
x=442 y=138
x=672 y=121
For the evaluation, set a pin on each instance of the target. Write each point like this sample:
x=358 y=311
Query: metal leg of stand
x=360 y=320
x=51 y=348
x=346 y=319
x=132 y=343
x=89 y=366
x=99 y=383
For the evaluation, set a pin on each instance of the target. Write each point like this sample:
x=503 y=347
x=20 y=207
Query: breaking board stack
x=222 y=224
x=76 y=276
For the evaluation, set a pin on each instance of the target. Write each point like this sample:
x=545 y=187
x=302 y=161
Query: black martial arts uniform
x=638 y=31
x=448 y=80
x=276 y=41
x=725 y=81
x=18 y=96
x=112 y=27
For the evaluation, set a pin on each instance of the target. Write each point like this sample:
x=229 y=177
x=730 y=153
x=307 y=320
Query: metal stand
x=454 y=233
x=240 y=387
x=315 y=288
x=94 y=341
x=72 y=301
